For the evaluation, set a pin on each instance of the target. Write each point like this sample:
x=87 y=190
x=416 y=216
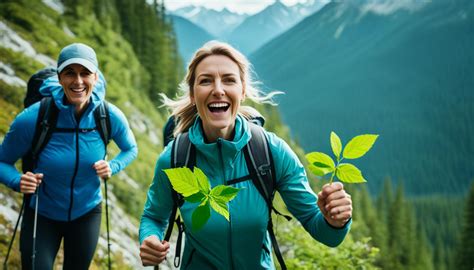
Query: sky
x=239 y=6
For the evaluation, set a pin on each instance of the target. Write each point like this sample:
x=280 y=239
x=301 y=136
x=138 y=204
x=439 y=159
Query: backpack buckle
x=263 y=169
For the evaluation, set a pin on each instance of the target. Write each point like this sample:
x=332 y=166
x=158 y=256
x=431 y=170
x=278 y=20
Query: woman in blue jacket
x=217 y=82
x=70 y=167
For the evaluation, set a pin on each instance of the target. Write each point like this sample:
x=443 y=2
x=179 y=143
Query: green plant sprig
x=321 y=164
x=195 y=188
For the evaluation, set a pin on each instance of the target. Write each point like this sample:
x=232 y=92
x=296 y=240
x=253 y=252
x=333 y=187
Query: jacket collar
x=221 y=149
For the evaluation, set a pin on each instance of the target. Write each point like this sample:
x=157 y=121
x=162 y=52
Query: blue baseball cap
x=78 y=53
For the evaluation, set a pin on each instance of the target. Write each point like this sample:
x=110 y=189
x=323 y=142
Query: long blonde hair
x=185 y=112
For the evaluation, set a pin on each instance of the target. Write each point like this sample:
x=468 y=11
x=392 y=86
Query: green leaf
x=204 y=201
x=359 y=145
x=220 y=207
x=202 y=180
x=322 y=161
x=316 y=170
x=336 y=144
x=224 y=193
x=195 y=198
x=200 y=216
x=183 y=181
x=349 y=173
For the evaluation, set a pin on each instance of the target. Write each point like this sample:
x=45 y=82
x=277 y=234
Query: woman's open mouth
x=218 y=107
x=78 y=90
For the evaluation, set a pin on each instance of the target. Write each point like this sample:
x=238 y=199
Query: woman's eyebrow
x=229 y=75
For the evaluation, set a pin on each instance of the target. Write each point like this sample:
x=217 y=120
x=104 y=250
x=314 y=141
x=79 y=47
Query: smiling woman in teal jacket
x=69 y=168
x=217 y=82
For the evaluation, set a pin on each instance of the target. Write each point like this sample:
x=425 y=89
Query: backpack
x=261 y=168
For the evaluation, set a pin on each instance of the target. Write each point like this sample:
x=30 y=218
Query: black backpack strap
x=45 y=125
x=183 y=154
x=262 y=171
x=102 y=122
x=168 y=130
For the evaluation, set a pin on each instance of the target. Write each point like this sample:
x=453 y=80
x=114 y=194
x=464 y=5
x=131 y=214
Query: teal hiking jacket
x=242 y=243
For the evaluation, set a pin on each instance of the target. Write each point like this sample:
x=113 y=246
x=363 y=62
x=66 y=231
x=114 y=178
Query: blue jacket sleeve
x=124 y=138
x=16 y=143
x=294 y=188
x=159 y=203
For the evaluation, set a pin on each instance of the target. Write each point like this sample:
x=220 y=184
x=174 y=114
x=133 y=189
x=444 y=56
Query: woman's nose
x=218 y=89
x=78 y=78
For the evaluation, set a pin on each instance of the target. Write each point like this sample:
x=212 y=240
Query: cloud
x=386 y=7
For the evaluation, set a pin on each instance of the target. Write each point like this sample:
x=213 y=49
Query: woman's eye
x=205 y=81
x=229 y=80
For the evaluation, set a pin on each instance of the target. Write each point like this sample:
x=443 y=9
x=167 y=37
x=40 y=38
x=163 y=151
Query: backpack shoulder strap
x=168 y=130
x=260 y=164
x=45 y=125
x=183 y=154
x=102 y=121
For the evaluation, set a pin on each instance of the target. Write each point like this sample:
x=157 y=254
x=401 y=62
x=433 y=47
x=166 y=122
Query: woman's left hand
x=102 y=169
x=335 y=204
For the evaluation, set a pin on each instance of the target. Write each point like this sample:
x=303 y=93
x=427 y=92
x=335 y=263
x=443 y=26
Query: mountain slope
x=190 y=37
x=32 y=35
x=405 y=74
x=275 y=19
x=218 y=23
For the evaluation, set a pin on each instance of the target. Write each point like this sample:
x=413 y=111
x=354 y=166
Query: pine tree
x=465 y=251
x=396 y=224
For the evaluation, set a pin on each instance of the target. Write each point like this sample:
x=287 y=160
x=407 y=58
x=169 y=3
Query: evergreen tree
x=465 y=252
x=439 y=254
x=422 y=248
x=385 y=199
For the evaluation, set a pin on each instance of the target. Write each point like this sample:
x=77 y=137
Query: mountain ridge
x=387 y=74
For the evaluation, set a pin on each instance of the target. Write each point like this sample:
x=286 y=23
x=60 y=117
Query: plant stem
x=335 y=170
x=332 y=176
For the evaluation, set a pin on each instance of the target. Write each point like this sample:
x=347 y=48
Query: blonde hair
x=185 y=112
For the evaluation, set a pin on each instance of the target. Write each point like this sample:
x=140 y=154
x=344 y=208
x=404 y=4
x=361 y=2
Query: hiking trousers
x=80 y=240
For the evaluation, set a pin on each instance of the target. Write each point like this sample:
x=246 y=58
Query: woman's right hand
x=29 y=182
x=153 y=251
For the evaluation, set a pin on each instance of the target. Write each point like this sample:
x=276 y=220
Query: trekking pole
x=107 y=219
x=14 y=234
x=33 y=255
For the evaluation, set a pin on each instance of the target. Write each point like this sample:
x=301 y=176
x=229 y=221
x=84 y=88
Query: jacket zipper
x=219 y=145
x=76 y=167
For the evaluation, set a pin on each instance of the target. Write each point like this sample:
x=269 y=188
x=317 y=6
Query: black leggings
x=80 y=240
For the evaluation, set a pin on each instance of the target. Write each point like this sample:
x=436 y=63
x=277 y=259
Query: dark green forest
x=405 y=75
x=137 y=48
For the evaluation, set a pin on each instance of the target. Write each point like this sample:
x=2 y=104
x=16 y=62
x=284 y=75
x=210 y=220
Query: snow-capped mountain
x=269 y=23
x=217 y=23
x=245 y=32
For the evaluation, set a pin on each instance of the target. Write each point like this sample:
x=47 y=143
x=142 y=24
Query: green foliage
x=7 y=114
x=465 y=250
x=195 y=188
x=303 y=252
x=321 y=164
x=153 y=40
